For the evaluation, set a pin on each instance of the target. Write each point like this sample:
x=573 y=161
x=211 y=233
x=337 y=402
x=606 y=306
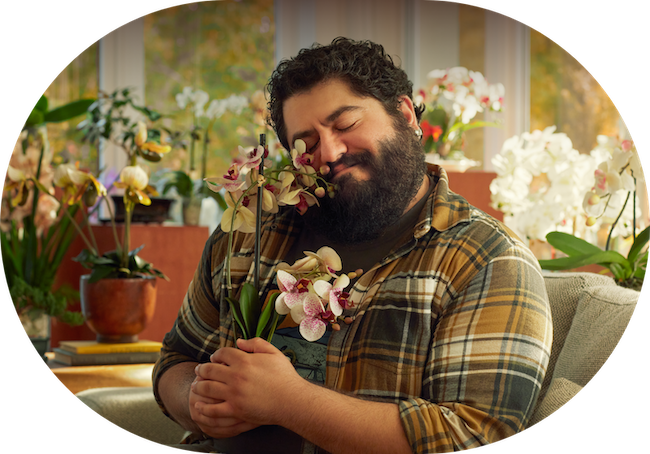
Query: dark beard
x=362 y=210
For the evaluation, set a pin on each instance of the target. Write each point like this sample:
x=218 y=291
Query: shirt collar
x=443 y=209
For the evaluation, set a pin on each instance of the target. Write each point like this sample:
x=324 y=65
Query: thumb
x=256 y=345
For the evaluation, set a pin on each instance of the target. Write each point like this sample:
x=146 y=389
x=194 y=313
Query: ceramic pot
x=117 y=310
x=191 y=210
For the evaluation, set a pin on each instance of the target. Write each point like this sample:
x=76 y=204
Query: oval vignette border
x=49 y=32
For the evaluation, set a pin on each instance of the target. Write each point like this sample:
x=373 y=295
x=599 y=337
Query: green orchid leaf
x=100 y=272
x=250 y=305
x=265 y=316
x=68 y=111
x=274 y=324
x=638 y=245
x=600 y=258
x=156 y=272
x=135 y=251
x=571 y=245
x=237 y=315
x=42 y=104
x=618 y=271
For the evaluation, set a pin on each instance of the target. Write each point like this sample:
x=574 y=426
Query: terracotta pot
x=117 y=310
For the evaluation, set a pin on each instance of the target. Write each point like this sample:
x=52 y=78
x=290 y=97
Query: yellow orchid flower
x=75 y=183
x=135 y=182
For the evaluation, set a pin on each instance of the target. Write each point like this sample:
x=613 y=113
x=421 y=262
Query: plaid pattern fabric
x=454 y=326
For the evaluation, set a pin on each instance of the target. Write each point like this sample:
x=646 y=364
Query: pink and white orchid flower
x=335 y=294
x=230 y=181
x=312 y=317
x=294 y=292
x=302 y=161
x=328 y=260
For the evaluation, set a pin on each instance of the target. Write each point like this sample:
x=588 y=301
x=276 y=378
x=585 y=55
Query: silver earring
x=418 y=133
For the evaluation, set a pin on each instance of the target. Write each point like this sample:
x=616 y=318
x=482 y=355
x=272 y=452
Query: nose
x=330 y=149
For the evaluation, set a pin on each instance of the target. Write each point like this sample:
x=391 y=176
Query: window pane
x=563 y=93
x=77 y=81
x=223 y=48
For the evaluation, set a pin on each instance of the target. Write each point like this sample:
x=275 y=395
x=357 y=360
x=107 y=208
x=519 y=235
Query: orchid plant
x=613 y=190
x=110 y=119
x=453 y=98
x=252 y=186
x=540 y=184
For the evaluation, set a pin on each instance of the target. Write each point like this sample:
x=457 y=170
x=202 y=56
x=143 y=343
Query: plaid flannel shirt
x=453 y=326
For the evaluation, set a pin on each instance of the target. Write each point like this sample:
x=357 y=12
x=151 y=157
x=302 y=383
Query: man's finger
x=256 y=345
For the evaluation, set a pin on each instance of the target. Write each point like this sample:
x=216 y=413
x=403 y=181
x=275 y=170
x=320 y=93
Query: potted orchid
x=452 y=98
x=121 y=285
x=37 y=229
x=611 y=200
x=305 y=291
x=204 y=113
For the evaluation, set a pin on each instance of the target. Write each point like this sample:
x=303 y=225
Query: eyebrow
x=330 y=118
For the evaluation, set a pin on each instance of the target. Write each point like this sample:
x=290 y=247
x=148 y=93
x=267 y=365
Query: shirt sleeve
x=195 y=333
x=487 y=361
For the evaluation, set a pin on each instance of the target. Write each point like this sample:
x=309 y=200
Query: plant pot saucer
x=451 y=165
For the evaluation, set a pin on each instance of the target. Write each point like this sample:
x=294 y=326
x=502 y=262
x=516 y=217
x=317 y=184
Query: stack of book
x=91 y=353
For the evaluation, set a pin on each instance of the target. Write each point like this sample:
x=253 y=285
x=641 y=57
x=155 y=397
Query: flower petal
x=280 y=306
x=312 y=329
x=322 y=288
x=286 y=281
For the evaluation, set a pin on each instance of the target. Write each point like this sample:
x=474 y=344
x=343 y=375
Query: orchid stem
x=80 y=232
x=609 y=237
x=258 y=219
x=118 y=243
x=90 y=229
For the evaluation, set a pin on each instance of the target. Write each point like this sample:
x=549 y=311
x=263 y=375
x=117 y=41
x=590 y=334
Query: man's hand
x=248 y=385
x=210 y=426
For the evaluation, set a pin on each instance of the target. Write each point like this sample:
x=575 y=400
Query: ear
x=408 y=110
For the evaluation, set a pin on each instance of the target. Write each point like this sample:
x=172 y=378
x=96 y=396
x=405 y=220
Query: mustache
x=362 y=158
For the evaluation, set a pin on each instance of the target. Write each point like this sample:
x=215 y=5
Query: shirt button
x=421 y=231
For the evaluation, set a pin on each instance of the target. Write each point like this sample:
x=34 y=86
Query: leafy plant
x=109 y=265
x=627 y=271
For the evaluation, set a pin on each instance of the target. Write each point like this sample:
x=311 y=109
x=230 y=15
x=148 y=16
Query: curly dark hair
x=364 y=65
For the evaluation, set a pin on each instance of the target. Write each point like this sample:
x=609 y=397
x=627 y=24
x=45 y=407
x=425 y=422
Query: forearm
x=342 y=424
x=174 y=390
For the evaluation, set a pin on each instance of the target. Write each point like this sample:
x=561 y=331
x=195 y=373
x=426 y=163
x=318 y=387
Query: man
x=449 y=339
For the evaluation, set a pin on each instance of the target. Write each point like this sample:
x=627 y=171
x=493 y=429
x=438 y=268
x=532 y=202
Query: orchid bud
x=141 y=136
x=90 y=195
x=135 y=177
x=348 y=320
x=336 y=327
x=324 y=170
x=320 y=192
x=590 y=221
x=594 y=199
x=626 y=145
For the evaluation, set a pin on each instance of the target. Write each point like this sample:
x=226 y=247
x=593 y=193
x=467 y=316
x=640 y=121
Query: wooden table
x=79 y=378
